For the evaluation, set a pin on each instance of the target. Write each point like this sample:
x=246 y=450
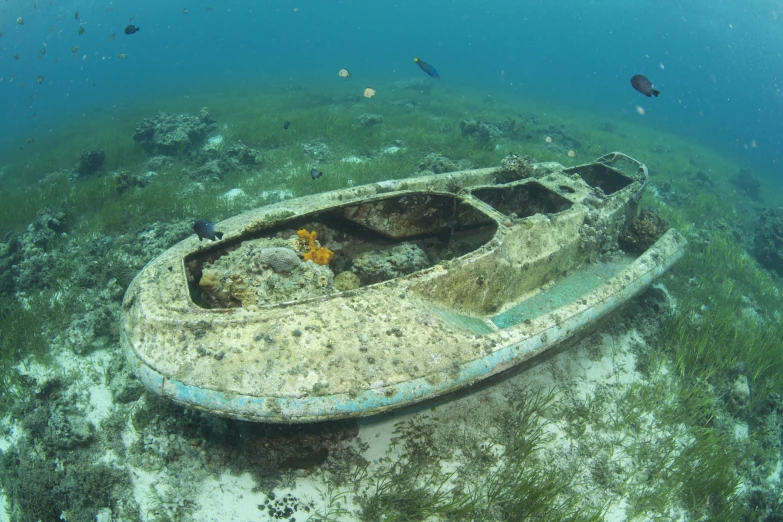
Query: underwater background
x=672 y=411
x=717 y=64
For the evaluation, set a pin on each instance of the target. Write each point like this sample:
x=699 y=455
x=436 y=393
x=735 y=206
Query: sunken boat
x=361 y=300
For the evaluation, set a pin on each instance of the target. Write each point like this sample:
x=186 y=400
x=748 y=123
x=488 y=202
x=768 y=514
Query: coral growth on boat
x=317 y=254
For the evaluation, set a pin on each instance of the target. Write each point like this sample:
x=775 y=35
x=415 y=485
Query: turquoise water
x=718 y=65
x=661 y=414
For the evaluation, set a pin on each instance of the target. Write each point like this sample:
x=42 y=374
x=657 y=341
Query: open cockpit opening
x=339 y=249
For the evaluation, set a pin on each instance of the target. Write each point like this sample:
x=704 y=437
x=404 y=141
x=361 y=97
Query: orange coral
x=317 y=254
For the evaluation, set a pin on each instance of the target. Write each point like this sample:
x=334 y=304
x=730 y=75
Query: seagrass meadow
x=671 y=410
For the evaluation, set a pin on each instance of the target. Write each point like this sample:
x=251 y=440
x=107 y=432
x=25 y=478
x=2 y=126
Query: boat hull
x=527 y=282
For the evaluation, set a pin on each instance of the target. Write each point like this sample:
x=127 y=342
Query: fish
x=20 y=21
x=76 y=15
x=131 y=29
x=209 y=8
x=30 y=140
x=369 y=92
x=344 y=73
x=40 y=80
x=16 y=56
x=644 y=86
x=75 y=49
x=43 y=51
x=286 y=124
x=81 y=30
x=185 y=11
x=427 y=68
x=122 y=56
x=205 y=229
x=315 y=174
x=111 y=37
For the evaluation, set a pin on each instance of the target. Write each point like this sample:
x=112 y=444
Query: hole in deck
x=371 y=242
x=599 y=175
x=524 y=200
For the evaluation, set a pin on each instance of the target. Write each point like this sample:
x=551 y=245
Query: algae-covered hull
x=435 y=283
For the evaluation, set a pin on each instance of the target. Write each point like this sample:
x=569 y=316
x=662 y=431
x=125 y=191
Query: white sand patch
x=233 y=194
x=270 y=196
x=775 y=475
x=11 y=433
x=213 y=143
x=5 y=442
x=741 y=431
x=100 y=405
x=391 y=150
x=231 y=497
x=228 y=497
x=378 y=432
x=4 y=508
x=142 y=481
x=352 y=159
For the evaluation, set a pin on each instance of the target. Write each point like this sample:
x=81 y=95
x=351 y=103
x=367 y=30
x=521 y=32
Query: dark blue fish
x=315 y=174
x=286 y=124
x=644 y=86
x=205 y=229
x=427 y=68
x=131 y=29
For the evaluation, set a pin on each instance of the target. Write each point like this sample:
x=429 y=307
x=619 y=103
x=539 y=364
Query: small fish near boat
x=427 y=68
x=365 y=299
x=205 y=229
x=644 y=86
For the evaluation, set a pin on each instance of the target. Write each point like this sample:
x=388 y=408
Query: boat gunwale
x=464 y=196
